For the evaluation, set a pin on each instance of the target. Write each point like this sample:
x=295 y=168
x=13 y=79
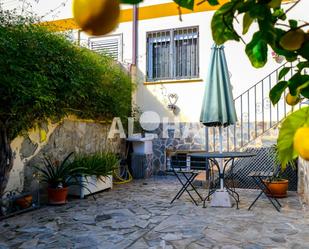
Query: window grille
x=173 y=54
x=111 y=45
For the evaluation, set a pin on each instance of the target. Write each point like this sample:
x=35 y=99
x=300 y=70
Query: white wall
x=191 y=94
x=154 y=97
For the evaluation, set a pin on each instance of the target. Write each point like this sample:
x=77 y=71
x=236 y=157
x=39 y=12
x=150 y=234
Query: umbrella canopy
x=218 y=106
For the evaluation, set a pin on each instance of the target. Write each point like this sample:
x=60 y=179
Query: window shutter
x=111 y=45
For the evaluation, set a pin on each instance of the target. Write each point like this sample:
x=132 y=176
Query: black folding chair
x=185 y=176
x=202 y=164
x=259 y=177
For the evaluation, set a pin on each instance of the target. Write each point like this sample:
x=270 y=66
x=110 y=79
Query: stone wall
x=56 y=141
x=303 y=180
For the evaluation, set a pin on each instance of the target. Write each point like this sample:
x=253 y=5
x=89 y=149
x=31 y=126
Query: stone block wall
x=56 y=141
x=303 y=180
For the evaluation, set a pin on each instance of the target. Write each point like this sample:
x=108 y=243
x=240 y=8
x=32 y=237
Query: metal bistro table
x=230 y=157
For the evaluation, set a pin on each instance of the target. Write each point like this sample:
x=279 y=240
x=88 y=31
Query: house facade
x=172 y=49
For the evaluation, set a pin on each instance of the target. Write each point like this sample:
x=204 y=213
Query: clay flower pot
x=57 y=196
x=278 y=188
x=24 y=202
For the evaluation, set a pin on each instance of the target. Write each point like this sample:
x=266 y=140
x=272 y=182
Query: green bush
x=44 y=76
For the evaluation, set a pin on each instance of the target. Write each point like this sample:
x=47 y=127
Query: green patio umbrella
x=218 y=105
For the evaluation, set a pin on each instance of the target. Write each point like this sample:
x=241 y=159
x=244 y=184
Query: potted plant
x=277 y=184
x=59 y=176
x=97 y=173
x=24 y=202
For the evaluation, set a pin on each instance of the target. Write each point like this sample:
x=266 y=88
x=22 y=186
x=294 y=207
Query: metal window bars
x=173 y=54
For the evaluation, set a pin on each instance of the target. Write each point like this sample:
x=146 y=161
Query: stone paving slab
x=139 y=215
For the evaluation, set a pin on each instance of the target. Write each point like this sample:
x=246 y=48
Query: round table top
x=230 y=154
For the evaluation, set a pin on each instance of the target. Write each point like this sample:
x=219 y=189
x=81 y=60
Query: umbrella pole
x=221 y=160
x=206 y=139
x=221 y=197
x=207 y=150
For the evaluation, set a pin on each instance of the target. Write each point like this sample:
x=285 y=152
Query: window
x=172 y=54
x=111 y=45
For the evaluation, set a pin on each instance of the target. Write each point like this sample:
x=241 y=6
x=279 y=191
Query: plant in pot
x=59 y=176
x=24 y=201
x=278 y=184
x=96 y=174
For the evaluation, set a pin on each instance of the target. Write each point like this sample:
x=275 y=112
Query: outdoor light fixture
x=172 y=98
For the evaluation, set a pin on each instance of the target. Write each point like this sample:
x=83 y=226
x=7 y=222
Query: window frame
x=172 y=54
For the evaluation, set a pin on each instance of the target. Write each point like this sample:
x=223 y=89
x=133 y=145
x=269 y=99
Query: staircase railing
x=255 y=112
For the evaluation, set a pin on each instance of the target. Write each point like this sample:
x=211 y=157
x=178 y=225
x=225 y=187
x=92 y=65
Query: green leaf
x=304 y=89
x=296 y=81
x=296 y=120
x=245 y=6
x=293 y=24
x=283 y=72
x=276 y=92
x=188 y=4
x=302 y=65
x=222 y=24
x=304 y=50
x=280 y=14
x=260 y=11
x=247 y=21
x=213 y=2
x=257 y=50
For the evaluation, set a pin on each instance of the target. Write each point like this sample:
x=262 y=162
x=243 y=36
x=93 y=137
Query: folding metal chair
x=186 y=177
x=202 y=164
x=259 y=177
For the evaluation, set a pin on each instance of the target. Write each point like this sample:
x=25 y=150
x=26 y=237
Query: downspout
x=134 y=70
x=135 y=35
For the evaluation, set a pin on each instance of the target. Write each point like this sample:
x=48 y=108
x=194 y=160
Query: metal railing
x=255 y=112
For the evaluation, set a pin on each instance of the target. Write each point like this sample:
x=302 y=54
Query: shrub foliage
x=45 y=76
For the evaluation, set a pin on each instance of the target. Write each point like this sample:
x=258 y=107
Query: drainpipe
x=134 y=51
x=135 y=34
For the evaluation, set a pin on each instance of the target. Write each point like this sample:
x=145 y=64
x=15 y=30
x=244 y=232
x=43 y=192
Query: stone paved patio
x=139 y=215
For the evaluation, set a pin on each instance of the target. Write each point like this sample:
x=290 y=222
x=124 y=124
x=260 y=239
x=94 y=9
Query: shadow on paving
x=139 y=215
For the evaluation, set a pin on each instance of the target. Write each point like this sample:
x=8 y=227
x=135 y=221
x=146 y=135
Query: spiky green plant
x=60 y=174
x=100 y=164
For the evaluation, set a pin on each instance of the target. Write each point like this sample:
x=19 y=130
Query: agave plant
x=60 y=174
x=100 y=164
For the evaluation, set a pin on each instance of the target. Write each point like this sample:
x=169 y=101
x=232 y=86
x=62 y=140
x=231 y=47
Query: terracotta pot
x=57 y=196
x=24 y=202
x=278 y=188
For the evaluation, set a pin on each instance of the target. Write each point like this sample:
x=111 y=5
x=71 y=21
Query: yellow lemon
x=291 y=100
x=301 y=142
x=293 y=39
x=96 y=17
